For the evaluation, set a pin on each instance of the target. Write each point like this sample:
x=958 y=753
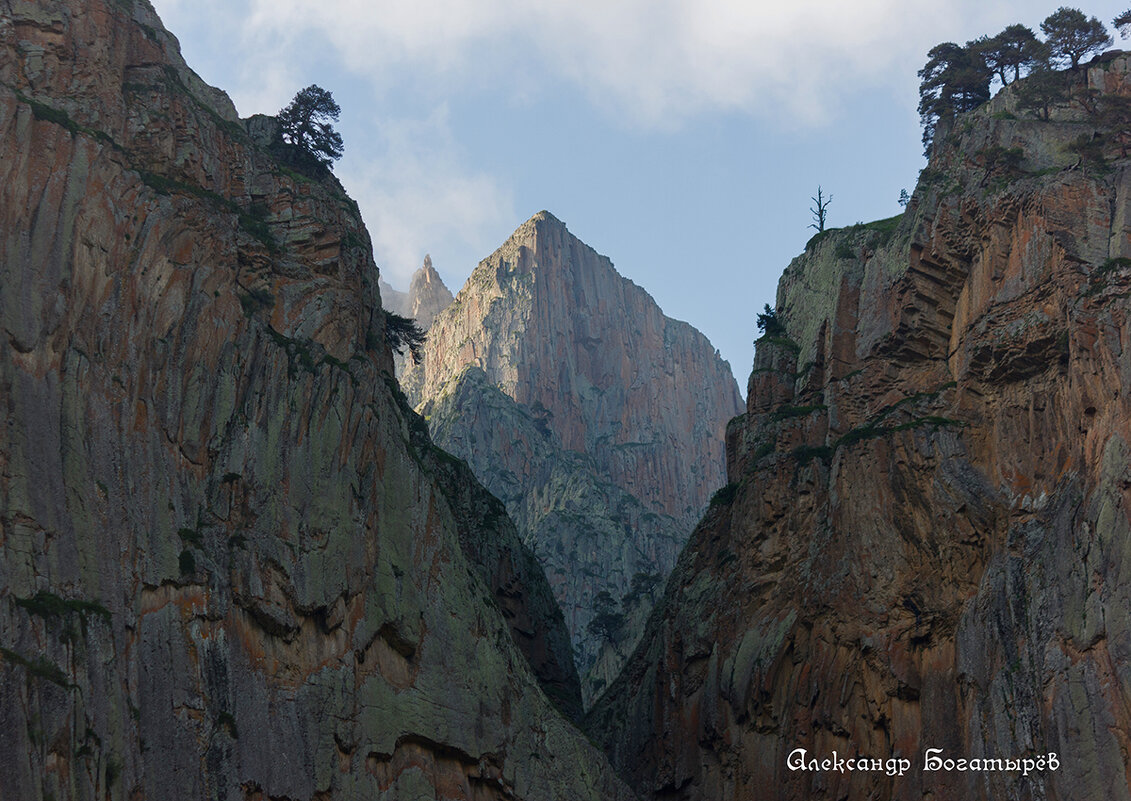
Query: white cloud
x=656 y=61
x=220 y=41
x=417 y=196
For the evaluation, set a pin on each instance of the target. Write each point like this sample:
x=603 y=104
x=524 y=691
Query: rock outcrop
x=427 y=296
x=596 y=419
x=590 y=535
x=924 y=541
x=231 y=563
x=551 y=322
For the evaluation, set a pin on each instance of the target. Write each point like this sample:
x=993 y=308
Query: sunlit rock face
x=924 y=539
x=427 y=296
x=551 y=322
x=595 y=418
x=232 y=565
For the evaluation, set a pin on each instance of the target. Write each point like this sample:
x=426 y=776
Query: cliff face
x=595 y=418
x=589 y=535
x=552 y=323
x=231 y=564
x=925 y=539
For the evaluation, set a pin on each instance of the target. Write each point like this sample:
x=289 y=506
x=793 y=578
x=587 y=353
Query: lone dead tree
x=820 y=210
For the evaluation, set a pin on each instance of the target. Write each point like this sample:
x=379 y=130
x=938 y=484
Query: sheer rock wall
x=924 y=543
x=231 y=564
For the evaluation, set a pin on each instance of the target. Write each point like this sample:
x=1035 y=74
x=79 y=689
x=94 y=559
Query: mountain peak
x=551 y=321
x=426 y=273
x=542 y=221
x=542 y=241
x=545 y=216
x=427 y=294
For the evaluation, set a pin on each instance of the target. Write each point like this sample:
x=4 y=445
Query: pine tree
x=1122 y=24
x=1071 y=36
x=305 y=125
x=954 y=79
x=402 y=332
x=1014 y=49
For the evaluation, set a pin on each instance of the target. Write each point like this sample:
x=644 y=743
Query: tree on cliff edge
x=1014 y=50
x=820 y=210
x=768 y=323
x=1071 y=36
x=1122 y=24
x=403 y=332
x=305 y=125
x=954 y=79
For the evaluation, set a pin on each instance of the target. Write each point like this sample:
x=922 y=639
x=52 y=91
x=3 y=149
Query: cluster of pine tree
x=958 y=78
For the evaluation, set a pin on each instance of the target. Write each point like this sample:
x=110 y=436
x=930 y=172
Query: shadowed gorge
x=560 y=559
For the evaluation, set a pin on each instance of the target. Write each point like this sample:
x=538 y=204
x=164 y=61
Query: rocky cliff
x=595 y=418
x=551 y=322
x=231 y=563
x=427 y=296
x=924 y=541
x=590 y=535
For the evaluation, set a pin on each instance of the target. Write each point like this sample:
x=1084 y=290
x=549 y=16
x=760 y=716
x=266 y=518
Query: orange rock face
x=231 y=563
x=926 y=540
x=595 y=418
x=552 y=323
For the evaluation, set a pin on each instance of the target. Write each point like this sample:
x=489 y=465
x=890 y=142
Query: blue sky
x=683 y=139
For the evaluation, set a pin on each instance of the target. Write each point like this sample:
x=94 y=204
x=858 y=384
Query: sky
x=683 y=139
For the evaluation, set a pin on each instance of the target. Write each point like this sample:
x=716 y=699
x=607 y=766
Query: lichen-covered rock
x=590 y=535
x=230 y=567
x=923 y=541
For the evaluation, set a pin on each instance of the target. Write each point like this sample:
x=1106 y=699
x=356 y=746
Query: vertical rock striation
x=924 y=543
x=551 y=322
x=589 y=535
x=231 y=564
x=595 y=418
